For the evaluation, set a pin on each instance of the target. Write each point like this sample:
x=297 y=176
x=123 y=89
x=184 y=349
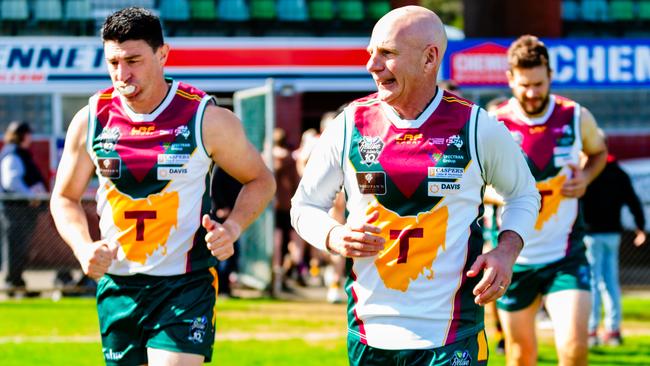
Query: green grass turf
x=39 y=331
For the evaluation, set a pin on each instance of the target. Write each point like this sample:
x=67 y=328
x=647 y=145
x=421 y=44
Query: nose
x=374 y=63
x=531 y=93
x=122 y=72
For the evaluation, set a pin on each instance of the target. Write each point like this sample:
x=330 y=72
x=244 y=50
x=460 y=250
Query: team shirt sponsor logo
x=183 y=131
x=461 y=358
x=436 y=141
x=169 y=173
x=409 y=138
x=372 y=182
x=197 y=330
x=536 y=129
x=440 y=189
x=562 y=155
x=455 y=140
x=177 y=146
x=518 y=137
x=110 y=355
x=369 y=148
x=110 y=167
x=108 y=138
x=143 y=130
x=445 y=172
x=173 y=159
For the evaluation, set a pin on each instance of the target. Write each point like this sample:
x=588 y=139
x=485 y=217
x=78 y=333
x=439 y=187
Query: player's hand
x=356 y=239
x=640 y=237
x=576 y=185
x=497 y=268
x=221 y=238
x=96 y=257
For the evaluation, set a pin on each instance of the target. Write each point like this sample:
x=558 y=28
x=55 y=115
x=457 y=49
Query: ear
x=432 y=58
x=511 y=78
x=163 y=53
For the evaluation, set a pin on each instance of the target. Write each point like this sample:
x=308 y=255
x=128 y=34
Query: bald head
x=406 y=50
x=415 y=25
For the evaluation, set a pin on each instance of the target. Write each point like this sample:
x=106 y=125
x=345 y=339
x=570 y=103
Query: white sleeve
x=506 y=170
x=322 y=179
x=12 y=171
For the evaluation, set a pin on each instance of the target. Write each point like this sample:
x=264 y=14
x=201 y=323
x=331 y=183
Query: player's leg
x=160 y=357
x=567 y=311
x=567 y=298
x=181 y=323
x=517 y=310
x=519 y=333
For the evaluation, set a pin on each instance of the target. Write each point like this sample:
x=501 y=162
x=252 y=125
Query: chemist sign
x=575 y=63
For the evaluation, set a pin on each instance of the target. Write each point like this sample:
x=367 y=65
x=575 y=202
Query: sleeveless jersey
x=549 y=143
x=424 y=180
x=153 y=174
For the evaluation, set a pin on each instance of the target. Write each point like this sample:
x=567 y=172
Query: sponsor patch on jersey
x=169 y=173
x=441 y=189
x=177 y=146
x=461 y=358
x=436 y=141
x=183 y=131
x=451 y=158
x=445 y=172
x=110 y=167
x=372 y=182
x=455 y=140
x=409 y=138
x=173 y=159
x=143 y=130
x=198 y=329
x=518 y=137
x=108 y=138
x=562 y=156
x=369 y=148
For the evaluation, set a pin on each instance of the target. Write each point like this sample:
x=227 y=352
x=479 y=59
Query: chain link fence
x=29 y=238
x=30 y=241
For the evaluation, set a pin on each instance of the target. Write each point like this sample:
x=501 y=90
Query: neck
x=414 y=109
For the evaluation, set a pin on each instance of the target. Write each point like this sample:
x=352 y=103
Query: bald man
x=413 y=161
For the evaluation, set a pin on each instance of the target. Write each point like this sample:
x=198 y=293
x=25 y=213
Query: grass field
x=250 y=332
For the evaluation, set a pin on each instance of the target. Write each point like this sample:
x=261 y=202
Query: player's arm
x=227 y=145
x=504 y=168
x=314 y=198
x=73 y=174
x=595 y=150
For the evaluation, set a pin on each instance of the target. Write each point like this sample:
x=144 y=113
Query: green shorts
x=173 y=313
x=529 y=281
x=470 y=351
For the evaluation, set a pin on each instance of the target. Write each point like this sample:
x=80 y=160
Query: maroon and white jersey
x=549 y=144
x=425 y=179
x=153 y=176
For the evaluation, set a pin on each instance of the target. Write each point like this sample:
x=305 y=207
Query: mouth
x=126 y=89
x=385 y=83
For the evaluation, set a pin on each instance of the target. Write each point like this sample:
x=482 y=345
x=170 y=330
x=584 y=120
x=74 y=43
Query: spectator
x=19 y=175
x=224 y=190
x=286 y=241
x=602 y=205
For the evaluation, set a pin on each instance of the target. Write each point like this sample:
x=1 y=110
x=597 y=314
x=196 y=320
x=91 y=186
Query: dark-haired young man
x=553 y=132
x=151 y=141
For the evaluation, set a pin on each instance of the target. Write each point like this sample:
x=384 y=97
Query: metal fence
x=29 y=237
x=41 y=248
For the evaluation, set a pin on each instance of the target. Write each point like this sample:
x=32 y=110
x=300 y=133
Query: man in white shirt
x=413 y=161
